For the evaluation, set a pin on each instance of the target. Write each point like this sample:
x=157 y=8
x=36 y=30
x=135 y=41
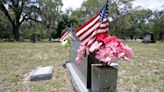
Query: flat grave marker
x=42 y=73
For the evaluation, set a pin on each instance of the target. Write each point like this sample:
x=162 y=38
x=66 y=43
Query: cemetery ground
x=143 y=73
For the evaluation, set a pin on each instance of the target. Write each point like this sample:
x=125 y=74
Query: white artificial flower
x=64 y=42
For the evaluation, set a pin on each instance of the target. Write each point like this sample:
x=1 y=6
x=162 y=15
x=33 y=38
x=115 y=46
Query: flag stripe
x=87 y=25
x=87 y=39
x=64 y=36
x=90 y=39
x=90 y=36
x=90 y=42
x=89 y=32
x=102 y=30
x=94 y=46
x=104 y=25
x=92 y=32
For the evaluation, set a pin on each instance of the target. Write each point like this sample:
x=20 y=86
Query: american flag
x=66 y=35
x=88 y=32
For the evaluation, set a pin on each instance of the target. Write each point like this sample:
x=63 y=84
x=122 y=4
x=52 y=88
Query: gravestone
x=21 y=38
x=41 y=73
x=148 y=38
x=35 y=38
x=91 y=75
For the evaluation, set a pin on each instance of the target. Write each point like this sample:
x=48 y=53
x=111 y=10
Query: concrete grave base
x=104 y=78
x=100 y=77
x=41 y=73
x=77 y=84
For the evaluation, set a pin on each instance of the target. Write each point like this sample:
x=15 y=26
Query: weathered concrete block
x=104 y=78
x=43 y=73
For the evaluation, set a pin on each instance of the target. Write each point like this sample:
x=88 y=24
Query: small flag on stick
x=68 y=34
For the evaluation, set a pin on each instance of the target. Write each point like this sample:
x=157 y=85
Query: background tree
x=157 y=27
x=45 y=18
x=161 y=25
x=142 y=20
x=51 y=12
x=66 y=20
x=5 y=27
x=18 y=11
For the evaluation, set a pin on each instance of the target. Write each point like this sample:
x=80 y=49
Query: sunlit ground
x=144 y=73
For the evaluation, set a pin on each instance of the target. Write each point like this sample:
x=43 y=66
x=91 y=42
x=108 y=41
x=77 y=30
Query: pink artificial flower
x=105 y=54
x=111 y=50
x=82 y=51
x=101 y=37
x=113 y=41
x=128 y=52
x=78 y=59
x=116 y=45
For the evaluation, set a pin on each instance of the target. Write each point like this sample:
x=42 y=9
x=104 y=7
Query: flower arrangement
x=112 y=49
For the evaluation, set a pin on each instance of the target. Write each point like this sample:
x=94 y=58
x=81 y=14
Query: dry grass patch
x=18 y=59
x=144 y=73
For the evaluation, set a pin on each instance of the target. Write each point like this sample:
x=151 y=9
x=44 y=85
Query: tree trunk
x=58 y=34
x=16 y=33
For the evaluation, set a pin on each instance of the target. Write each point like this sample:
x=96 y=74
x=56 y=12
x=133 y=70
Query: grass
x=143 y=73
x=18 y=59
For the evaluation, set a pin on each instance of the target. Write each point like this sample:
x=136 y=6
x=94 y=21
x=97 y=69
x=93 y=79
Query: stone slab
x=41 y=73
x=77 y=83
x=80 y=69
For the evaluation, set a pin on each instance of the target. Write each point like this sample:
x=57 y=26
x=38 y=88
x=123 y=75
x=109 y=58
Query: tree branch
x=13 y=2
x=33 y=19
x=25 y=18
x=4 y=10
x=31 y=2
